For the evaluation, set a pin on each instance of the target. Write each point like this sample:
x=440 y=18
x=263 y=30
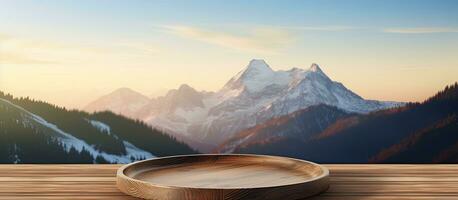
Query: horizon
x=164 y=93
x=71 y=53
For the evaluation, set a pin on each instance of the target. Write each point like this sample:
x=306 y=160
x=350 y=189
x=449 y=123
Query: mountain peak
x=127 y=92
x=185 y=87
x=315 y=68
x=123 y=90
x=184 y=97
x=183 y=90
x=256 y=75
x=256 y=68
x=258 y=64
x=122 y=101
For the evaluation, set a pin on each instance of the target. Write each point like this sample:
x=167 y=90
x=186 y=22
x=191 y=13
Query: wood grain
x=222 y=177
x=347 y=182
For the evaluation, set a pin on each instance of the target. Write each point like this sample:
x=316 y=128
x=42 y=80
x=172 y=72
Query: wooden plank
x=74 y=197
x=385 y=197
x=107 y=197
x=389 y=197
x=373 y=182
x=353 y=188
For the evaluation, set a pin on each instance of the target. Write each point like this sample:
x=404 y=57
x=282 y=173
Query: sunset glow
x=72 y=52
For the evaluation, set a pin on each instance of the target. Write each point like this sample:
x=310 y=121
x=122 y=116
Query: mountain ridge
x=255 y=94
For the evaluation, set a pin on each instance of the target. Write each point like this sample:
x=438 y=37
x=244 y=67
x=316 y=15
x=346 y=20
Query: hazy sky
x=71 y=52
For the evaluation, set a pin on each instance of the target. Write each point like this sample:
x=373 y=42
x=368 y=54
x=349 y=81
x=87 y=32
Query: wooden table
x=347 y=182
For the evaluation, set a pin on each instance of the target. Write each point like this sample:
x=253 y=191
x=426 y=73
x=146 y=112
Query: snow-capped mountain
x=185 y=98
x=259 y=93
x=122 y=101
x=254 y=95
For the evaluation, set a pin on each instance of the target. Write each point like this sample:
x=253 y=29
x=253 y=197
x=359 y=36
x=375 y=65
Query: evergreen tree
x=24 y=140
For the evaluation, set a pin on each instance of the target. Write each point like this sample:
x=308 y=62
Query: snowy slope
x=69 y=141
x=132 y=150
x=301 y=125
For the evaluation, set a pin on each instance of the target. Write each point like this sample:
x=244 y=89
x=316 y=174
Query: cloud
x=421 y=30
x=258 y=39
x=321 y=28
x=414 y=68
x=4 y=37
x=17 y=58
x=11 y=52
x=23 y=51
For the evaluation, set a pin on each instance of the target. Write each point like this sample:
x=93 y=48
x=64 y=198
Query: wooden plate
x=227 y=176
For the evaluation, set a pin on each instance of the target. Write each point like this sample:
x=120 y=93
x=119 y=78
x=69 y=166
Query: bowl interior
x=224 y=171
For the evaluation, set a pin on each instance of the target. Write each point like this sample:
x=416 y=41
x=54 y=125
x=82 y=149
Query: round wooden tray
x=228 y=176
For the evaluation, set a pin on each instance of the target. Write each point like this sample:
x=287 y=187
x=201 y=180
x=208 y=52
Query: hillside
x=37 y=132
x=416 y=133
x=302 y=125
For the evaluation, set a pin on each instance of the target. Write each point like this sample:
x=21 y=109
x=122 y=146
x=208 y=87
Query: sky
x=71 y=52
